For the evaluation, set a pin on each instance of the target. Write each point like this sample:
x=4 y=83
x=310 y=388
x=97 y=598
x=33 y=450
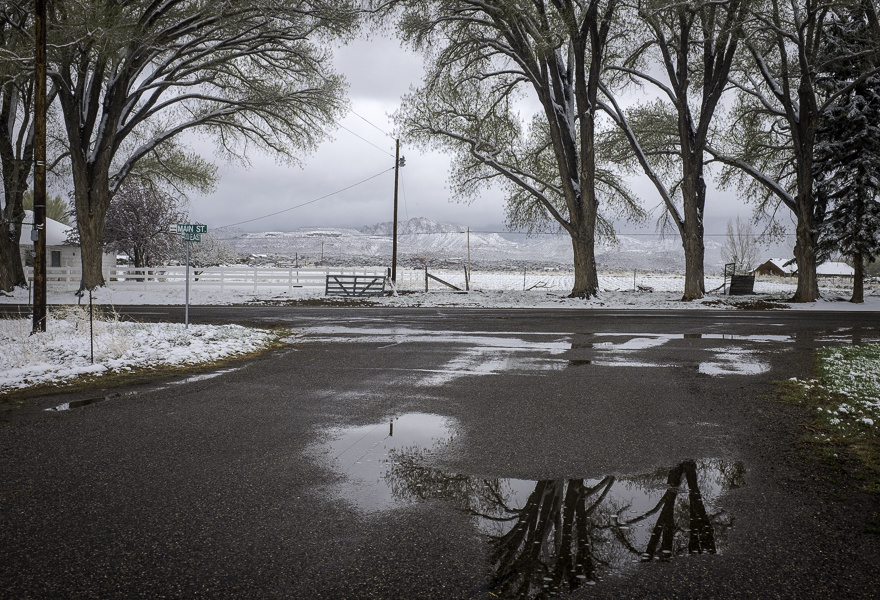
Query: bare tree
x=210 y=252
x=486 y=61
x=740 y=245
x=132 y=75
x=139 y=223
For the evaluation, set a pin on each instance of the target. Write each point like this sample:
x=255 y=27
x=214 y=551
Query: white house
x=59 y=253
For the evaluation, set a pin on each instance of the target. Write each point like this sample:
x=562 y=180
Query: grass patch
x=844 y=404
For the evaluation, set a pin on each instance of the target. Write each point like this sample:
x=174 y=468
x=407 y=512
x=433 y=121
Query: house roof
x=779 y=263
x=56 y=233
x=835 y=268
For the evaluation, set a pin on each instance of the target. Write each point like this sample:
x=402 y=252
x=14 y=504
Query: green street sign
x=192 y=237
x=190 y=228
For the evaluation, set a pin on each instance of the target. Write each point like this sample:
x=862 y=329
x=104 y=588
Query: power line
x=365 y=140
x=561 y=234
x=372 y=124
x=309 y=202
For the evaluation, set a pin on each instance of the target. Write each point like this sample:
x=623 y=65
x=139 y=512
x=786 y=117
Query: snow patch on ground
x=64 y=351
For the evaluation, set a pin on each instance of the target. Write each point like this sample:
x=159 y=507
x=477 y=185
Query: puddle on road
x=544 y=537
x=731 y=360
x=77 y=404
x=194 y=378
x=482 y=361
x=735 y=361
x=205 y=376
x=489 y=353
x=658 y=339
x=363 y=455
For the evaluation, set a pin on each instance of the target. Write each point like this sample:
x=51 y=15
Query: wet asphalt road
x=236 y=485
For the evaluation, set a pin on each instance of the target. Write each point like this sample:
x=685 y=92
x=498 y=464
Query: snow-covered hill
x=423 y=241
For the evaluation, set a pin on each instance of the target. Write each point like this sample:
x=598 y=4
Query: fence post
x=255 y=281
x=426 y=278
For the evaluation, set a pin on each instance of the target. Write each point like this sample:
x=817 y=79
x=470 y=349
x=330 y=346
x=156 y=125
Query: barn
x=777 y=267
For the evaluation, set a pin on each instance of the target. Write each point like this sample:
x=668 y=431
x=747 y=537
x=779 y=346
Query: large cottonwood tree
x=683 y=52
x=133 y=75
x=777 y=115
x=488 y=61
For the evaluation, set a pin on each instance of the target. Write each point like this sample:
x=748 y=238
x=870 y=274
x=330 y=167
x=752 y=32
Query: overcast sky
x=379 y=72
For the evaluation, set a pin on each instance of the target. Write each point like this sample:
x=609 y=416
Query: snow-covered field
x=488 y=289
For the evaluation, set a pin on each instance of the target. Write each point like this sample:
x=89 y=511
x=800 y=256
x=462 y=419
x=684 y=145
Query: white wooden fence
x=222 y=278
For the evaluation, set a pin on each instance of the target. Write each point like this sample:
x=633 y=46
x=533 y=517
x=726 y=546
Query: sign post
x=191 y=233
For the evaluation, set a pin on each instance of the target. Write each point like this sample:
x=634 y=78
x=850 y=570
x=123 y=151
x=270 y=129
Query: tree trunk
x=694 y=196
x=11 y=268
x=583 y=241
x=90 y=224
x=694 y=252
x=858 y=295
x=15 y=181
x=586 y=277
x=805 y=255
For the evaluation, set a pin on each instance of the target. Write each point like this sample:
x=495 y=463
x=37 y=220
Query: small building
x=777 y=267
x=780 y=267
x=59 y=253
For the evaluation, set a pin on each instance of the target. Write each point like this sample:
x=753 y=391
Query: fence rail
x=222 y=278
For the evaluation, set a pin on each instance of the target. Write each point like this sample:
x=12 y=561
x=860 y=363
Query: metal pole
x=186 y=311
x=394 y=234
x=91 y=327
x=39 y=318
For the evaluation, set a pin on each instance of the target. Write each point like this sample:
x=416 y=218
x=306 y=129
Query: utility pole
x=39 y=232
x=467 y=279
x=394 y=233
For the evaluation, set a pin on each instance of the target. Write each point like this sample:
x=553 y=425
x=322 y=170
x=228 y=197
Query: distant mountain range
x=423 y=241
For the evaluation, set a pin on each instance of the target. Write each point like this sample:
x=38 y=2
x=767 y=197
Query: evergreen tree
x=847 y=158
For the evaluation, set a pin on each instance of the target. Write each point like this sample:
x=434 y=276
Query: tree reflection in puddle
x=554 y=535
x=547 y=537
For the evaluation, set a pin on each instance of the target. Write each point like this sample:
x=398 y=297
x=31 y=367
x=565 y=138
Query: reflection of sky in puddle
x=733 y=361
x=725 y=361
x=488 y=361
x=551 y=343
x=488 y=353
x=361 y=454
x=547 y=536
x=484 y=354
x=205 y=376
x=650 y=340
x=76 y=404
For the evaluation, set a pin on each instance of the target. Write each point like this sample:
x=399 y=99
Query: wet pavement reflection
x=544 y=537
